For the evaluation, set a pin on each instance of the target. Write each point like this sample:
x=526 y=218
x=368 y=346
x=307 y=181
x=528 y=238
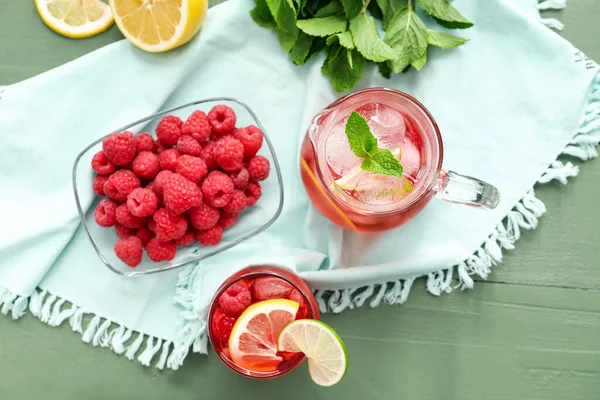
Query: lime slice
x=372 y=188
x=326 y=352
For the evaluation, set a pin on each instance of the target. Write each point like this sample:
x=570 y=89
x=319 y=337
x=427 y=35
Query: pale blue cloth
x=508 y=103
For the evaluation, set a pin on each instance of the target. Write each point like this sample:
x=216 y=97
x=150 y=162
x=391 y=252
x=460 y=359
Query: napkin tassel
x=552 y=23
x=151 y=349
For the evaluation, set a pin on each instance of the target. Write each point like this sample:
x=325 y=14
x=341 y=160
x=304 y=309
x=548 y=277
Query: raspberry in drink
x=247 y=314
x=364 y=198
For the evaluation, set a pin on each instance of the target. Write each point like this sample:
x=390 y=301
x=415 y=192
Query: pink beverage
x=365 y=201
x=220 y=320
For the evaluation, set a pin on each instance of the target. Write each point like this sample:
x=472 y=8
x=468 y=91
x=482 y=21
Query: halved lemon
x=253 y=339
x=75 y=18
x=159 y=25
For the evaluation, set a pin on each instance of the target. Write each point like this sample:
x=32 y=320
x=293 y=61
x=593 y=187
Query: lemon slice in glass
x=159 y=25
x=75 y=18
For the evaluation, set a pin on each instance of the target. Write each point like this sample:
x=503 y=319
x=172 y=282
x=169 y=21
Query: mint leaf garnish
x=389 y=8
x=444 y=40
x=344 y=38
x=333 y=8
x=364 y=145
x=445 y=14
x=299 y=53
x=341 y=73
x=383 y=162
x=419 y=62
x=367 y=40
x=323 y=26
x=407 y=35
x=262 y=16
x=352 y=8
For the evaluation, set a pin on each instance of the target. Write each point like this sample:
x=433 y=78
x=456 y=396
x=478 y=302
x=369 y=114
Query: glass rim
x=218 y=250
x=257 y=271
x=424 y=191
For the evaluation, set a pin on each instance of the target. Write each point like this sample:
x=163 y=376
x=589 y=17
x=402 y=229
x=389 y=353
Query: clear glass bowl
x=251 y=222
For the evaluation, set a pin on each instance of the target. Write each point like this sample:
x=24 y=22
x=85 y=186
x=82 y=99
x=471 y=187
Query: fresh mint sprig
x=364 y=144
x=350 y=36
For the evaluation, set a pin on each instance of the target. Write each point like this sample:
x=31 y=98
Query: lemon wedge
x=159 y=25
x=75 y=18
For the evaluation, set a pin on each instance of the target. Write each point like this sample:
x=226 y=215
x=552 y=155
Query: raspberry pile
x=245 y=292
x=187 y=186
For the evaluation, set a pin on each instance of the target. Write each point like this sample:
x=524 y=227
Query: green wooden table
x=531 y=331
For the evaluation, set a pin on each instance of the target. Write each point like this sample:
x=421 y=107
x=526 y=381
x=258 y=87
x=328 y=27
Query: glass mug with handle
x=365 y=201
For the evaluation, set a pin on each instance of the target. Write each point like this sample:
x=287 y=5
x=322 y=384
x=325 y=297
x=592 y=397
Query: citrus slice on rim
x=326 y=352
x=75 y=18
x=159 y=25
x=253 y=339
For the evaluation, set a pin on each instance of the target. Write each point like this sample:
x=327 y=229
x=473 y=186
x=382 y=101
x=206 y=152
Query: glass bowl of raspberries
x=178 y=186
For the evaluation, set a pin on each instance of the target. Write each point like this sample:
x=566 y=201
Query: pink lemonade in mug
x=361 y=200
x=247 y=314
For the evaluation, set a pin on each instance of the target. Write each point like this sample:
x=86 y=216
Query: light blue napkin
x=508 y=103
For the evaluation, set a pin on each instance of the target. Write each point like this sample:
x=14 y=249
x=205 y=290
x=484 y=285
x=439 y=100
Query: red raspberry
x=160 y=147
x=168 y=159
x=208 y=152
x=217 y=188
x=142 y=202
x=120 y=184
x=169 y=227
x=181 y=195
x=192 y=168
x=270 y=287
x=159 y=197
x=129 y=250
x=197 y=126
x=229 y=154
x=240 y=178
x=144 y=142
x=188 y=239
x=145 y=165
x=227 y=220
x=145 y=235
x=160 y=251
x=105 y=213
x=237 y=204
x=215 y=136
x=102 y=165
x=98 y=184
x=258 y=168
x=210 y=237
x=123 y=232
x=204 y=217
x=188 y=145
x=127 y=219
x=159 y=182
x=253 y=193
x=119 y=148
x=252 y=139
x=222 y=119
x=168 y=130
x=221 y=325
x=235 y=299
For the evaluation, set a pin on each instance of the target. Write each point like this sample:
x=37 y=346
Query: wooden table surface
x=531 y=331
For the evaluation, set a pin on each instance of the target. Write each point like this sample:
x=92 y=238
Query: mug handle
x=462 y=189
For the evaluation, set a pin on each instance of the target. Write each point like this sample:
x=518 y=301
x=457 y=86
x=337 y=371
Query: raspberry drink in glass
x=247 y=314
x=366 y=201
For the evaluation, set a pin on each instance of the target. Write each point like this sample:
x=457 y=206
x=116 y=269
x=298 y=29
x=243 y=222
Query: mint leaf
x=383 y=162
x=385 y=70
x=352 y=8
x=389 y=8
x=444 y=40
x=287 y=40
x=317 y=46
x=333 y=8
x=362 y=142
x=322 y=26
x=261 y=15
x=445 y=14
x=419 y=62
x=367 y=40
x=299 y=53
x=407 y=35
x=284 y=14
x=336 y=67
x=344 y=38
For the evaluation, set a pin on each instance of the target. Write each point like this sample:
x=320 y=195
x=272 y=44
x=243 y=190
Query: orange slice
x=253 y=340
